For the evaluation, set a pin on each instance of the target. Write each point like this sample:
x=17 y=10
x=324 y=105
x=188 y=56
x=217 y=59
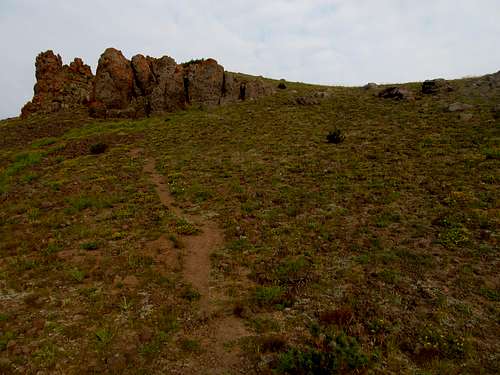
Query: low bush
x=98 y=148
x=335 y=136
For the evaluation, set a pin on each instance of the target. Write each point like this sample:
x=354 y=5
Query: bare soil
x=220 y=335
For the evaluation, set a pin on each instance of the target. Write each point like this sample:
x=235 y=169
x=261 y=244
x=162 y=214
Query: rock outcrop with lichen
x=135 y=88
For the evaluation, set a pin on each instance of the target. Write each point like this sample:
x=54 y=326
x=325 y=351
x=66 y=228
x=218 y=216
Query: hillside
x=236 y=239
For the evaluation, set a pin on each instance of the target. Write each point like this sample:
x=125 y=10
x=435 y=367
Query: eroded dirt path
x=196 y=260
x=220 y=334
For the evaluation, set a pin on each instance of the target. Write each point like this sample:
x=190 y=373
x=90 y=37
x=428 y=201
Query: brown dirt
x=196 y=267
x=222 y=332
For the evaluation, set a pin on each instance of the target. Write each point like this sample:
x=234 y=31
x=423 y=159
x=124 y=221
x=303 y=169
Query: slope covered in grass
x=379 y=253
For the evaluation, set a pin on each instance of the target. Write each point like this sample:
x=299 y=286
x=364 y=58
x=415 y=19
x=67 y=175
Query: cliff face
x=135 y=88
x=59 y=87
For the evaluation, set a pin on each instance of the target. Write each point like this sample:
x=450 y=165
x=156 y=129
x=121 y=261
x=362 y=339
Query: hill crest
x=137 y=87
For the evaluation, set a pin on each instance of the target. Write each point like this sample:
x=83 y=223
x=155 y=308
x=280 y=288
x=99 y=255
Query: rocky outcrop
x=114 y=80
x=398 y=93
x=435 y=86
x=138 y=87
x=370 y=86
x=58 y=86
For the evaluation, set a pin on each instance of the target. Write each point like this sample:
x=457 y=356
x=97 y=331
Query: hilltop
x=139 y=87
x=309 y=229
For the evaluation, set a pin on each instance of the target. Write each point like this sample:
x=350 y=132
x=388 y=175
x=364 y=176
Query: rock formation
x=58 y=86
x=435 y=86
x=459 y=107
x=398 y=93
x=137 y=87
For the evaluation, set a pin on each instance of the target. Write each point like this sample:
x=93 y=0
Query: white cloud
x=317 y=41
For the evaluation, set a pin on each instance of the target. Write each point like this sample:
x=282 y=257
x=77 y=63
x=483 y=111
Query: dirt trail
x=196 y=261
x=222 y=331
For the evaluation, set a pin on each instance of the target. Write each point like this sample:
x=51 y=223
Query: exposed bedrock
x=137 y=87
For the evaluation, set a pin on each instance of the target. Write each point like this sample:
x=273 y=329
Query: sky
x=333 y=42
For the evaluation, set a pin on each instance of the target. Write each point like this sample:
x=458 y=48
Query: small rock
x=303 y=100
x=435 y=86
x=39 y=324
x=459 y=107
x=46 y=205
x=118 y=362
x=370 y=86
x=130 y=281
x=466 y=116
x=11 y=345
x=321 y=94
x=146 y=335
x=398 y=93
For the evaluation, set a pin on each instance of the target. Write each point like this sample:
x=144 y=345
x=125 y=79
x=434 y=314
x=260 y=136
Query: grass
x=376 y=254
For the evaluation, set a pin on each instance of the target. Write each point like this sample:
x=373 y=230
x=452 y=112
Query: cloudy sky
x=347 y=42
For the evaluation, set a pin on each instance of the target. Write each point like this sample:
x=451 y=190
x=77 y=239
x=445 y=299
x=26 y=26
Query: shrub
x=98 y=148
x=22 y=161
x=189 y=345
x=271 y=343
x=77 y=275
x=185 y=228
x=89 y=246
x=492 y=153
x=265 y=296
x=190 y=294
x=332 y=355
x=293 y=271
x=335 y=136
x=192 y=61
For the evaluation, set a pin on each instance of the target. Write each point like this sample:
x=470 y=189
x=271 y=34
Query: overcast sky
x=347 y=42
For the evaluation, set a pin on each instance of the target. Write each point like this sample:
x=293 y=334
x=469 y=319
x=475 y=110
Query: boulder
x=168 y=93
x=241 y=87
x=398 y=93
x=322 y=94
x=459 y=107
x=306 y=100
x=58 y=86
x=114 y=80
x=203 y=82
x=370 y=86
x=159 y=86
x=436 y=86
x=143 y=73
x=466 y=116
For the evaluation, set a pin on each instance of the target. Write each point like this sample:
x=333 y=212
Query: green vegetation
x=192 y=61
x=335 y=136
x=375 y=254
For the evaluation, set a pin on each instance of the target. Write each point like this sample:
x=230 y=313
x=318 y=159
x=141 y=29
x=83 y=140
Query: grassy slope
x=379 y=253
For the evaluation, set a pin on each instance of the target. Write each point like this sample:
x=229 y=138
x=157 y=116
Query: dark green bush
x=335 y=136
x=98 y=148
x=192 y=61
x=332 y=355
x=89 y=246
